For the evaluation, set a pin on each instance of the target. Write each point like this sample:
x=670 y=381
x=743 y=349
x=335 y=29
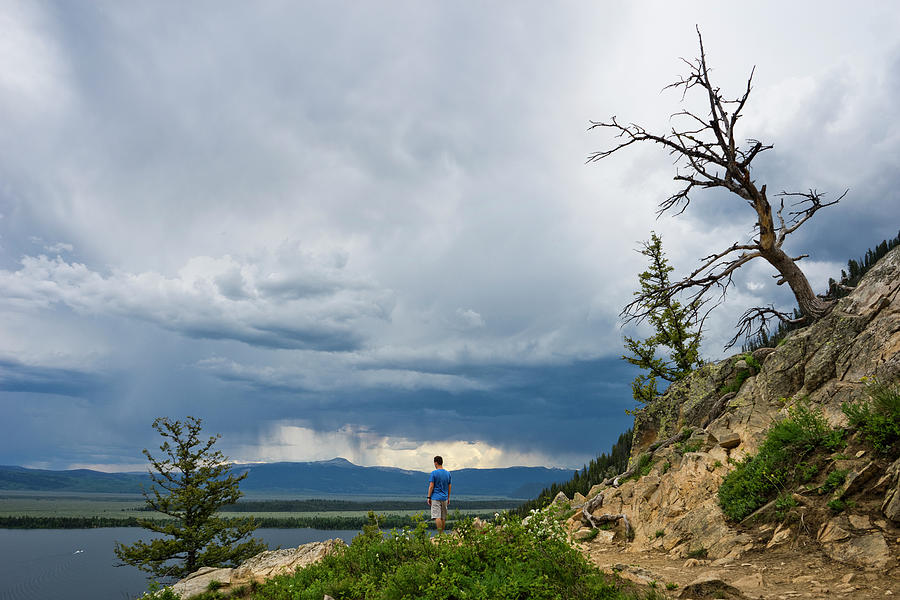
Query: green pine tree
x=673 y=350
x=190 y=485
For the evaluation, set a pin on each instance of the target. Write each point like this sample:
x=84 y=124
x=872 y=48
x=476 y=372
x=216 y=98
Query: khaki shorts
x=439 y=509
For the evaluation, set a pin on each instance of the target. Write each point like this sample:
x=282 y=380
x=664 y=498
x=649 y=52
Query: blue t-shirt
x=441 y=479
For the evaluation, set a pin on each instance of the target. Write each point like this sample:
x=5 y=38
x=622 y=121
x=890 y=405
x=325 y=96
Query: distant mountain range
x=336 y=477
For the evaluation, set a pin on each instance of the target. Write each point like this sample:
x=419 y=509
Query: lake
x=45 y=564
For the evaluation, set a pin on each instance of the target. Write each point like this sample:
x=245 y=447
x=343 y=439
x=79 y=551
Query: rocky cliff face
x=728 y=407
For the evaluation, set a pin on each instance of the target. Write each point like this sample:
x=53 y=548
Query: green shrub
x=752 y=362
x=837 y=505
x=783 y=504
x=735 y=385
x=878 y=417
x=834 y=480
x=659 y=533
x=757 y=479
x=506 y=559
x=807 y=471
x=645 y=464
x=698 y=553
x=688 y=446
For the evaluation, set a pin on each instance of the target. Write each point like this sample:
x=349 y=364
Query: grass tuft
x=878 y=417
x=779 y=463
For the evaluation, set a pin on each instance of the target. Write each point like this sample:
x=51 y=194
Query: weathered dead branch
x=709 y=154
x=596 y=521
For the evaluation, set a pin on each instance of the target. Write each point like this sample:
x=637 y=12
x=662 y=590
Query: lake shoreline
x=79 y=564
x=321 y=523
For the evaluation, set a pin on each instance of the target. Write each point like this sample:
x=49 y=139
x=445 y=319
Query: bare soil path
x=781 y=573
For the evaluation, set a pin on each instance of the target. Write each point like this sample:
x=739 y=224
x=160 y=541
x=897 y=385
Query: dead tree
x=708 y=154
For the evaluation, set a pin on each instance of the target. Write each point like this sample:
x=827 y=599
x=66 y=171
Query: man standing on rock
x=439 y=493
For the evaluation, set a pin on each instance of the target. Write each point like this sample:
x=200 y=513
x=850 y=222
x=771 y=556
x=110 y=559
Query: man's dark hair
x=438 y=460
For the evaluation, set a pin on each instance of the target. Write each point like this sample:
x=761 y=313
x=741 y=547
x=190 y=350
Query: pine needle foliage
x=190 y=484
x=673 y=350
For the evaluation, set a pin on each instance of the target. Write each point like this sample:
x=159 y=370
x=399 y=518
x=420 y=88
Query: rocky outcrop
x=200 y=581
x=890 y=483
x=865 y=549
x=711 y=587
x=258 y=568
x=673 y=507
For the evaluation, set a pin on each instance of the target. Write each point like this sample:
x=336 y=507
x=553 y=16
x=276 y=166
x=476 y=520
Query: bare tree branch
x=799 y=217
x=755 y=321
x=708 y=154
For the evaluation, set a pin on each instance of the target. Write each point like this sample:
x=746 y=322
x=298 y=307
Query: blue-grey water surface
x=77 y=564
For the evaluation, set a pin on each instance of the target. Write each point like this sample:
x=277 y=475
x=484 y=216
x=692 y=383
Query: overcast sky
x=368 y=230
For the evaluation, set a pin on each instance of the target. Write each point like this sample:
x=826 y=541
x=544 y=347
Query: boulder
x=560 y=498
x=574 y=523
x=258 y=568
x=834 y=530
x=578 y=499
x=595 y=489
x=754 y=582
x=646 y=486
x=886 y=481
x=869 y=552
x=857 y=479
x=782 y=535
x=277 y=562
x=891 y=505
x=605 y=536
x=198 y=581
x=730 y=440
x=710 y=586
x=891 y=482
x=761 y=354
x=637 y=574
x=860 y=521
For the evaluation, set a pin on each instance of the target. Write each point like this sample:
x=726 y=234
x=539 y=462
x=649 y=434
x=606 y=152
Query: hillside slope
x=721 y=413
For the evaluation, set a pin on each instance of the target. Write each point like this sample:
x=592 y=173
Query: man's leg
x=443 y=520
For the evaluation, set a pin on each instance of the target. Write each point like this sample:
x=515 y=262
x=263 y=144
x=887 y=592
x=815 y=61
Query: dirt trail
x=781 y=573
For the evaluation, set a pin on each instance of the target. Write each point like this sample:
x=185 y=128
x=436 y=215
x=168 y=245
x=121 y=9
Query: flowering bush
x=505 y=558
x=546 y=524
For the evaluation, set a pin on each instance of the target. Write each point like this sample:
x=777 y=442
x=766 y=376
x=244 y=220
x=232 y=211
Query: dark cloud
x=374 y=224
x=18 y=377
x=565 y=408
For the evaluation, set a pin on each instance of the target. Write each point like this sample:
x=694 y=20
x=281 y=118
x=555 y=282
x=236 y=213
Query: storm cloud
x=369 y=230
